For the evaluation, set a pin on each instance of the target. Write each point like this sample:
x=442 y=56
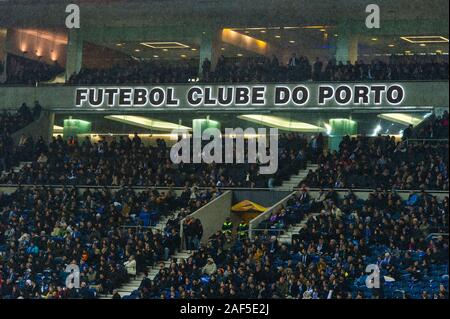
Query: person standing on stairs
x=130 y=266
x=227 y=227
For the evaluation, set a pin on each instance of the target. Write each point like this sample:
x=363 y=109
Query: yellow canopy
x=247 y=206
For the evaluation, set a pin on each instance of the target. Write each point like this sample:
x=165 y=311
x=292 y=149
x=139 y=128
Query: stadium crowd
x=138 y=73
x=9 y=124
x=435 y=129
x=263 y=69
x=233 y=70
x=382 y=162
x=44 y=230
x=25 y=71
x=327 y=259
x=126 y=161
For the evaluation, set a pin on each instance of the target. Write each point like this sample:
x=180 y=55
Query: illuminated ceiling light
x=243 y=41
x=290 y=28
x=323 y=30
x=320 y=27
x=278 y=36
x=119 y=44
x=223 y=49
x=336 y=35
x=165 y=45
x=281 y=123
x=146 y=122
x=263 y=31
x=374 y=39
x=165 y=50
x=377 y=130
x=257 y=28
x=292 y=41
x=328 y=128
x=137 y=50
x=239 y=54
x=193 y=49
x=425 y=39
x=391 y=45
x=53 y=37
x=183 y=55
x=156 y=56
x=422 y=45
x=439 y=51
x=401 y=118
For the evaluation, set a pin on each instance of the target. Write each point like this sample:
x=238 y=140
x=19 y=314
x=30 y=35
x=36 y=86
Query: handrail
x=312 y=189
x=263 y=216
x=427 y=140
x=136 y=226
x=43 y=84
x=434 y=235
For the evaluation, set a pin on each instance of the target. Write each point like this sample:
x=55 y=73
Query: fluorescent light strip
x=425 y=39
x=401 y=118
x=165 y=45
x=281 y=123
x=61 y=39
x=146 y=122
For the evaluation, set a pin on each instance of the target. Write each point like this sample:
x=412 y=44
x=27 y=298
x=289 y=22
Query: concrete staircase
x=286 y=236
x=134 y=284
x=296 y=179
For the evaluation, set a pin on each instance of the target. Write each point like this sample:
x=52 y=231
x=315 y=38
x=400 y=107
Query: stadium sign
x=240 y=95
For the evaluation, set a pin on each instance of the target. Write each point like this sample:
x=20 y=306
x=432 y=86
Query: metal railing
x=263 y=216
x=426 y=140
x=435 y=235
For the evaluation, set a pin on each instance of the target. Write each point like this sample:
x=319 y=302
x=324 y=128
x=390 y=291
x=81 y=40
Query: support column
x=346 y=48
x=339 y=129
x=74 y=53
x=209 y=48
x=3 y=55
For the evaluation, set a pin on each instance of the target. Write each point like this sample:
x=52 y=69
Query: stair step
x=125 y=291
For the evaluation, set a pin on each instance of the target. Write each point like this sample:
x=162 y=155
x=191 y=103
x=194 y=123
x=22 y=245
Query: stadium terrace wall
x=63 y=99
x=212 y=216
x=264 y=196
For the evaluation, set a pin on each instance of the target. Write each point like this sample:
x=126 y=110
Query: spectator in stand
x=206 y=69
x=27 y=71
x=130 y=266
x=437 y=128
x=408 y=132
